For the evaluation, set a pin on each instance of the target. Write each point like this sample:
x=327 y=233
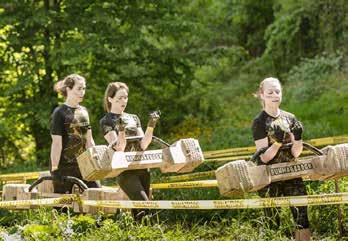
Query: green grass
x=247 y=224
x=48 y=224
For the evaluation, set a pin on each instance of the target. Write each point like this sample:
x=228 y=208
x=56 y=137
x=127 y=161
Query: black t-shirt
x=108 y=123
x=72 y=124
x=275 y=128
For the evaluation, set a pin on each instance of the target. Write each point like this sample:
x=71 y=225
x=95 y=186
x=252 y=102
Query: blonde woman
x=272 y=128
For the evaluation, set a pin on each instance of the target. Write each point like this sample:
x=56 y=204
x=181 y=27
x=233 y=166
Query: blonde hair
x=258 y=93
x=68 y=81
x=110 y=91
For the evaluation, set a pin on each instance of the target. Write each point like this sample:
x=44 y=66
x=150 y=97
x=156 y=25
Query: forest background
x=199 y=62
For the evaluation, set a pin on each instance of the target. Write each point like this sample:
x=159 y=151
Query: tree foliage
x=304 y=29
x=191 y=59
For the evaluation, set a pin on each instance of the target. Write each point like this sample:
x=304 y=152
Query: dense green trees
x=191 y=59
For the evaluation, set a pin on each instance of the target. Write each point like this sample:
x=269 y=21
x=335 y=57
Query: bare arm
x=120 y=140
x=56 y=150
x=90 y=140
x=146 y=140
x=270 y=153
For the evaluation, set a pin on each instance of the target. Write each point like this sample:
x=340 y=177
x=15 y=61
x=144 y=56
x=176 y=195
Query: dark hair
x=68 y=81
x=110 y=91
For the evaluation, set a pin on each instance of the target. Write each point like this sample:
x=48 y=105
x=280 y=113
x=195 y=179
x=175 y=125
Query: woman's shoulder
x=260 y=116
x=107 y=118
x=59 y=109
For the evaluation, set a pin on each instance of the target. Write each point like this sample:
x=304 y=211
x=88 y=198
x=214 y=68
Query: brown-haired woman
x=116 y=126
x=71 y=132
x=272 y=128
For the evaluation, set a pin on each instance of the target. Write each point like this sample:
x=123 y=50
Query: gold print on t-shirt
x=282 y=123
x=77 y=135
x=131 y=130
x=278 y=129
x=131 y=125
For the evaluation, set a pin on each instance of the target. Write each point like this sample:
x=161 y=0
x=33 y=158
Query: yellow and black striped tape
x=324 y=199
x=327 y=199
x=20 y=176
x=186 y=177
x=38 y=202
x=192 y=184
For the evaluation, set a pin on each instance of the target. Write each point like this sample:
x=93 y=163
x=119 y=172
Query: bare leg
x=303 y=234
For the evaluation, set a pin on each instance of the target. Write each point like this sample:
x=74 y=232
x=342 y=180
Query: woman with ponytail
x=71 y=133
x=116 y=126
x=272 y=128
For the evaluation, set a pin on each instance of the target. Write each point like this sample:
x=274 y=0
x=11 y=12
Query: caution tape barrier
x=186 y=177
x=210 y=156
x=192 y=184
x=20 y=176
x=324 y=199
x=181 y=185
x=38 y=202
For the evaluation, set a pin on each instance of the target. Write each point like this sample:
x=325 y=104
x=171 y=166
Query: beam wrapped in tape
x=101 y=162
x=241 y=176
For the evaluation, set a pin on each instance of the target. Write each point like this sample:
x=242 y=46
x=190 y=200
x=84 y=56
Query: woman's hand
x=296 y=130
x=296 y=139
x=153 y=118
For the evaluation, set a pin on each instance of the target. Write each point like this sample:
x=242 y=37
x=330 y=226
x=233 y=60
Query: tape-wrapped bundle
x=182 y=156
x=240 y=176
x=333 y=164
x=100 y=162
x=95 y=162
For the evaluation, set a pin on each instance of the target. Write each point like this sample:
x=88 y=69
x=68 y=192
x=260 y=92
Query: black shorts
x=294 y=187
x=135 y=183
